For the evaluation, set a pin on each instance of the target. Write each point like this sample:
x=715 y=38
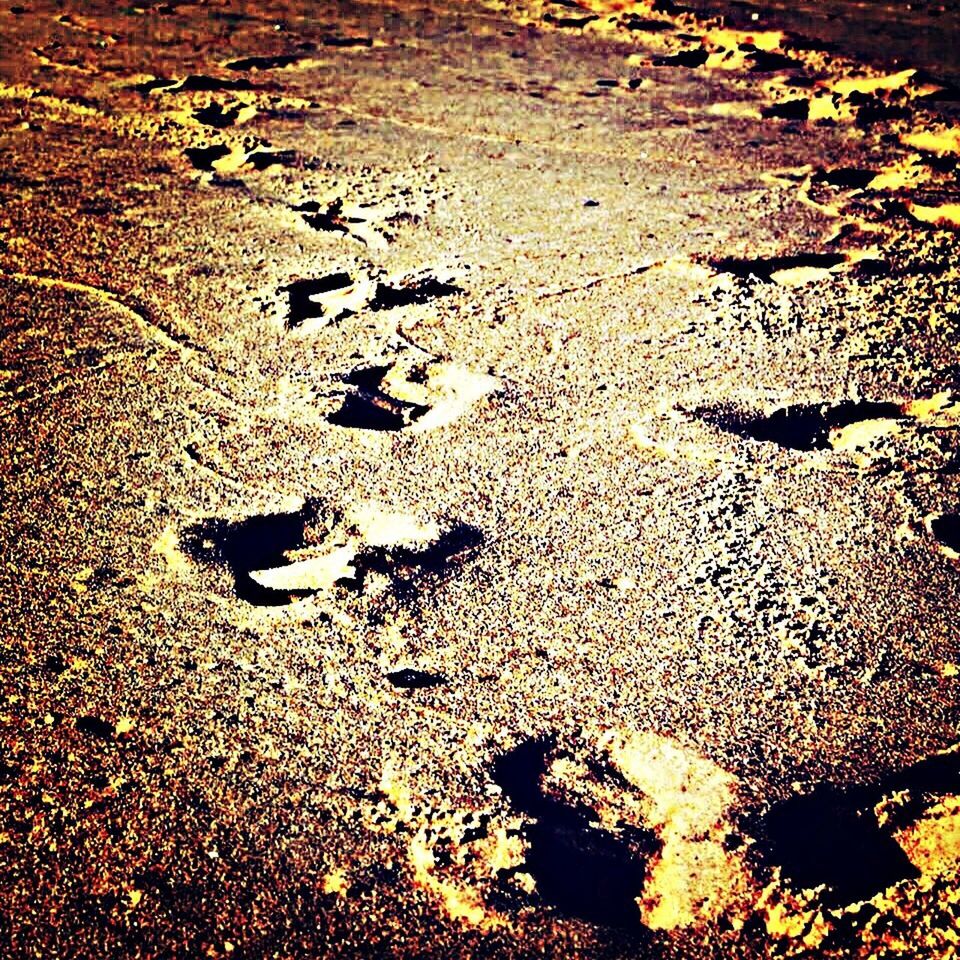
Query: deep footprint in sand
x=796 y=269
x=418 y=394
x=276 y=559
x=634 y=832
x=852 y=843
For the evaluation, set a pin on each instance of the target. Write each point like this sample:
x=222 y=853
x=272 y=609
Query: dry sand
x=479 y=481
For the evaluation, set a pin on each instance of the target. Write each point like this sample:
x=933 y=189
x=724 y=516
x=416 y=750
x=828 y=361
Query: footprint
x=330 y=298
x=256 y=543
x=342 y=42
x=634 y=831
x=193 y=83
x=832 y=840
x=845 y=425
x=846 y=178
x=219 y=116
x=420 y=394
x=848 y=426
x=412 y=291
x=264 y=63
x=338 y=295
x=580 y=869
x=854 y=842
x=793 y=270
x=336 y=216
x=408 y=679
x=277 y=559
x=684 y=58
x=229 y=158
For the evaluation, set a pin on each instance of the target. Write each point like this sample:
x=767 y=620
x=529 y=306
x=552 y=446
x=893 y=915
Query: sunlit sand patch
x=447 y=389
x=321 y=572
x=736 y=109
x=839 y=99
x=946 y=215
x=881 y=82
x=795 y=920
x=862 y=434
x=336 y=882
x=167 y=546
x=647 y=441
x=735 y=49
x=943 y=141
x=478 y=848
x=688 y=801
x=907 y=172
x=381 y=527
x=940 y=410
x=932 y=844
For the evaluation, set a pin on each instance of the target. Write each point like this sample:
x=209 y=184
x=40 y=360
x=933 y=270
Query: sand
x=479 y=481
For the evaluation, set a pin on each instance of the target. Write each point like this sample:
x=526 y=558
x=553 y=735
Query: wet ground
x=478 y=481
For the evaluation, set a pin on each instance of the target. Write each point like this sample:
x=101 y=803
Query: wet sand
x=478 y=481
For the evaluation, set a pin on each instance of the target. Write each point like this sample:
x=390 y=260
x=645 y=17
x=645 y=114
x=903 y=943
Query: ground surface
x=477 y=481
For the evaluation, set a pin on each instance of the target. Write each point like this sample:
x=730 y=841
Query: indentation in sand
x=688 y=802
x=276 y=559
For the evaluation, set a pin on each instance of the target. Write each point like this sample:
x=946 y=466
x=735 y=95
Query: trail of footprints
x=634 y=829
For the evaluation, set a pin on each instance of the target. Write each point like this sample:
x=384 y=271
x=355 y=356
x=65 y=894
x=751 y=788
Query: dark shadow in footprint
x=300 y=293
x=330 y=219
x=264 y=63
x=765 y=61
x=797 y=109
x=369 y=408
x=763 y=268
x=685 y=58
x=203 y=158
x=416 y=291
x=409 y=568
x=262 y=159
x=573 y=22
x=646 y=24
x=800 y=426
x=408 y=679
x=946 y=529
x=217 y=116
x=846 y=178
x=256 y=543
x=831 y=837
x=193 y=83
x=372 y=412
x=331 y=41
x=580 y=869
